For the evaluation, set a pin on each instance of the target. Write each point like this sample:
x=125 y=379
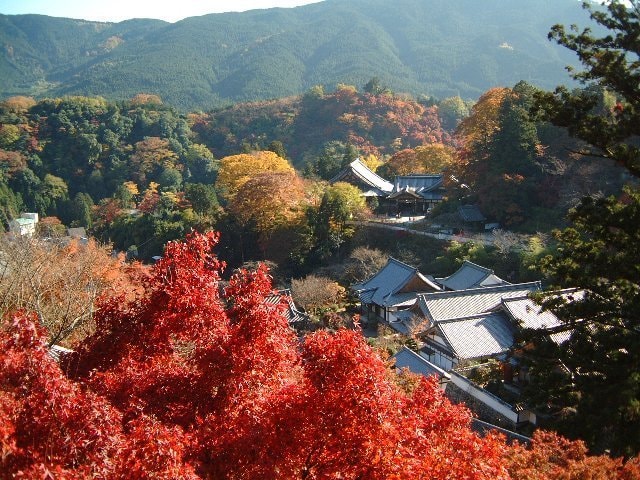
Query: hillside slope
x=436 y=47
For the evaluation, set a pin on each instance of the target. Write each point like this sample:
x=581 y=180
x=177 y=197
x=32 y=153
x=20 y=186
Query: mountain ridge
x=429 y=47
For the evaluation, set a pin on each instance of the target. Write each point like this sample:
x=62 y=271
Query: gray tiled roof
x=484 y=335
x=528 y=314
x=418 y=183
x=407 y=358
x=389 y=280
x=362 y=172
x=464 y=303
x=428 y=187
x=471 y=213
x=470 y=275
x=292 y=314
x=57 y=352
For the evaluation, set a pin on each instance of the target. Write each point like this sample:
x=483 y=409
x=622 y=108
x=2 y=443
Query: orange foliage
x=60 y=281
x=107 y=211
x=477 y=130
x=551 y=457
x=18 y=103
x=12 y=162
x=150 y=153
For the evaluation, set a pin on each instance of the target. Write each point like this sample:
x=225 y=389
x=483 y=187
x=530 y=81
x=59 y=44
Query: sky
x=118 y=10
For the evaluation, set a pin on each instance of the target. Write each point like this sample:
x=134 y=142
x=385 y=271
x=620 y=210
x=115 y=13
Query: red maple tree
x=191 y=380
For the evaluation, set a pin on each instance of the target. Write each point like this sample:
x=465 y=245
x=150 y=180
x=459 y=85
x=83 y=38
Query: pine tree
x=599 y=400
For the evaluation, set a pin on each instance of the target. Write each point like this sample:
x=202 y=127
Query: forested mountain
x=434 y=47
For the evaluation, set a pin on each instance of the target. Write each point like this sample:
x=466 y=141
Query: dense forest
x=138 y=173
x=437 y=47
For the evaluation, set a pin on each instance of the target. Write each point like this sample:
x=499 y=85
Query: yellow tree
x=146 y=99
x=236 y=170
x=132 y=187
x=403 y=162
x=270 y=200
x=436 y=157
x=371 y=161
x=18 y=103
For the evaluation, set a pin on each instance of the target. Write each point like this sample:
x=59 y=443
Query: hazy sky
x=117 y=10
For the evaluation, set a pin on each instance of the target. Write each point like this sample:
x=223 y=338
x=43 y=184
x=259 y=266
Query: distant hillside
x=434 y=47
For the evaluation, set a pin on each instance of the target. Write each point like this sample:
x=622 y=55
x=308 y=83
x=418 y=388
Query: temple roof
x=470 y=275
x=384 y=288
x=483 y=335
x=407 y=358
x=438 y=306
x=361 y=172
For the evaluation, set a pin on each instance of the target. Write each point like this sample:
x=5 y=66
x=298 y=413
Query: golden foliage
x=236 y=170
x=132 y=187
x=146 y=99
x=18 y=103
x=478 y=129
x=270 y=199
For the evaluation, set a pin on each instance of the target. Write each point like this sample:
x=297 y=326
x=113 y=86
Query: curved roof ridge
x=395 y=260
x=429 y=281
x=474 y=265
x=472 y=291
x=370 y=176
x=380 y=272
x=468 y=317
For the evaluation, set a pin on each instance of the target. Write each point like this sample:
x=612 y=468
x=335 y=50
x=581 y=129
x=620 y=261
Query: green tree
x=170 y=179
x=600 y=400
x=452 y=111
x=376 y=87
x=335 y=155
x=340 y=204
x=124 y=197
x=203 y=167
x=277 y=147
x=81 y=209
x=611 y=62
x=202 y=197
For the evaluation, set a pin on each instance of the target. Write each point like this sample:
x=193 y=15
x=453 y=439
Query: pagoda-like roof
x=407 y=358
x=470 y=275
x=427 y=187
x=387 y=286
x=438 y=306
x=357 y=170
x=291 y=312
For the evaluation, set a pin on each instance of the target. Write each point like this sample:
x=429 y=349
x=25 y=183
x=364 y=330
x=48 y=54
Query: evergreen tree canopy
x=599 y=398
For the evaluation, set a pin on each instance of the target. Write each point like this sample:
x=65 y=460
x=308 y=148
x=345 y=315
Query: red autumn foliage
x=551 y=457
x=194 y=381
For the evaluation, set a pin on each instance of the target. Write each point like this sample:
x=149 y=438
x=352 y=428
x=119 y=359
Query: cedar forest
x=180 y=369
